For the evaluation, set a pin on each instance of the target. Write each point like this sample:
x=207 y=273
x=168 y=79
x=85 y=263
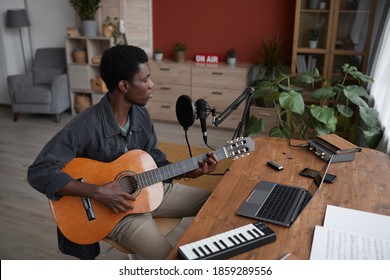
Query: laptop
x=280 y=204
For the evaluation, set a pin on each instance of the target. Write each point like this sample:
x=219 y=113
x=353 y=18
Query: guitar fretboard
x=157 y=175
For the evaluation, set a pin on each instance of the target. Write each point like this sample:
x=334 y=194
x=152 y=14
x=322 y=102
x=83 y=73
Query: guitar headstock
x=239 y=147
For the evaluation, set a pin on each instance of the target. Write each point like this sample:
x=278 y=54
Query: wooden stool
x=166 y=225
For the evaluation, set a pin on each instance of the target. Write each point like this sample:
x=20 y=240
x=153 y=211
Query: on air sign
x=208 y=58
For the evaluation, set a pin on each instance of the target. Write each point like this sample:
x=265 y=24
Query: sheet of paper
x=335 y=244
x=357 y=221
x=349 y=234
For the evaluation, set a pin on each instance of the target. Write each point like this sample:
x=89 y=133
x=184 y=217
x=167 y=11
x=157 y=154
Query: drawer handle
x=165 y=69
x=165 y=106
x=216 y=93
x=165 y=88
x=217 y=73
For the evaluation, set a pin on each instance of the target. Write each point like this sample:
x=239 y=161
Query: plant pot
x=313 y=4
x=80 y=56
x=158 y=56
x=313 y=44
x=231 y=61
x=180 y=56
x=90 y=28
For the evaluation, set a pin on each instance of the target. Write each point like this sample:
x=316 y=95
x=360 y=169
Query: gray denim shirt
x=95 y=134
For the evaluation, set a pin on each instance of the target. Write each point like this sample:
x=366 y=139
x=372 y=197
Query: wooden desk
x=362 y=184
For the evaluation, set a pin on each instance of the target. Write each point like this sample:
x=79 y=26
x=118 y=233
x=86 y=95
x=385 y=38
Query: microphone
x=201 y=113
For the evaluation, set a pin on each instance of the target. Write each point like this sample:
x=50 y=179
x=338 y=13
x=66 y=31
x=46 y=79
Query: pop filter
x=185 y=111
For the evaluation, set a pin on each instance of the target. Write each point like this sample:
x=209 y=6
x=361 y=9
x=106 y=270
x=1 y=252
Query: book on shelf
x=301 y=63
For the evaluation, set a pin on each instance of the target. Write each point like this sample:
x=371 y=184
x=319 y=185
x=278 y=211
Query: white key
x=187 y=250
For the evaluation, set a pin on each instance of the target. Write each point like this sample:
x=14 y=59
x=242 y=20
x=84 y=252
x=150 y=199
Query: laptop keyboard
x=278 y=203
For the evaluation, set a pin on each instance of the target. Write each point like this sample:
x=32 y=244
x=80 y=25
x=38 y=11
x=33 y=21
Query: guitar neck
x=173 y=170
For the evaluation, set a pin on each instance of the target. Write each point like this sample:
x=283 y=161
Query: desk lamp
x=18 y=18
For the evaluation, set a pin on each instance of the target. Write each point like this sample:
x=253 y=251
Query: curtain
x=380 y=89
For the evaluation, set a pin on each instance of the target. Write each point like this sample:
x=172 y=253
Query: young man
x=103 y=132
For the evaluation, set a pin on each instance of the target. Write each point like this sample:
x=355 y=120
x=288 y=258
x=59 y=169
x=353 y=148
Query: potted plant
x=158 y=55
x=180 y=52
x=80 y=54
x=231 y=57
x=312 y=36
x=342 y=107
x=86 y=10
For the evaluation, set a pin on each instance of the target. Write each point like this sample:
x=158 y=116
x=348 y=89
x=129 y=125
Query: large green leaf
x=354 y=93
x=344 y=110
x=262 y=88
x=254 y=125
x=369 y=116
x=373 y=136
x=277 y=132
x=352 y=70
x=323 y=93
x=325 y=115
x=292 y=101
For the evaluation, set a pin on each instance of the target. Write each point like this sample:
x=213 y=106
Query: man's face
x=140 y=90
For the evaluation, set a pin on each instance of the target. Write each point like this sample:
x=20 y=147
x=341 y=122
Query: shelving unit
x=345 y=33
x=80 y=74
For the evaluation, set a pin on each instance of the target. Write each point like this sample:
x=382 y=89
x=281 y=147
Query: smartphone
x=308 y=172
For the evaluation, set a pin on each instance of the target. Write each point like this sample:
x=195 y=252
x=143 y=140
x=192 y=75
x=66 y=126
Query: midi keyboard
x=228 y=244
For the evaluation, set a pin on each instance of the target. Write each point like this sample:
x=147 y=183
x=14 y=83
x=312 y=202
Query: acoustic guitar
x=86 y=221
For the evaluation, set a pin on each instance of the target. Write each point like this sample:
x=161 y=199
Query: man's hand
x=206 y=166
x=114 y=197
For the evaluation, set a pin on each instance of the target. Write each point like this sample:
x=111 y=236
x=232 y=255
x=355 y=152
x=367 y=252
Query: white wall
x=49 y=20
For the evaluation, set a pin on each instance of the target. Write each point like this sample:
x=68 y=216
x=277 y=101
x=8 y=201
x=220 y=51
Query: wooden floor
x=27 y=229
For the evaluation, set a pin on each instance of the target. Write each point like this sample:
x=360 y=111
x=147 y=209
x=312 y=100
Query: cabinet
x=170 y=81
x=83 y=76
x=344 y=27
x=218 y=84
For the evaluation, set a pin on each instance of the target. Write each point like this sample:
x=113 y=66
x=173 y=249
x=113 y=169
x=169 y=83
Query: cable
x=302 y=146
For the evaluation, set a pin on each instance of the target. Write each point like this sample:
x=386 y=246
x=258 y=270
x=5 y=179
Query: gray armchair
x=45 y=90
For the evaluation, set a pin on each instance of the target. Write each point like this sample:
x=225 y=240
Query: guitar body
x=69 y=212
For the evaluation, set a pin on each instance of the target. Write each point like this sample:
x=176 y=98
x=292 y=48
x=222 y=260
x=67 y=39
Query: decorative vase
x=107 y=31
x=158 y=56
x=80 y=56
x=90 y=28
x=231 y=61
x=313 y=44
x=180 y=56
x=313 y=4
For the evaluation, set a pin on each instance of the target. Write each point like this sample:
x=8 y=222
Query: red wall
x=214 y=26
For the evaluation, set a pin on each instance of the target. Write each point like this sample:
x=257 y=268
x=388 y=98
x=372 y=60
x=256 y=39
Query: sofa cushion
x=33 y=95
x=45 y=76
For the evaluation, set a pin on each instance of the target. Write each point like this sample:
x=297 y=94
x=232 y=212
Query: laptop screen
x=319 y=179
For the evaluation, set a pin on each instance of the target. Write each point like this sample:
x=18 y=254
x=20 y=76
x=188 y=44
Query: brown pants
x=140 y=233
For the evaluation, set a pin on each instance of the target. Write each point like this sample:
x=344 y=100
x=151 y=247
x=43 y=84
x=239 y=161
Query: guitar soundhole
x=128 y=183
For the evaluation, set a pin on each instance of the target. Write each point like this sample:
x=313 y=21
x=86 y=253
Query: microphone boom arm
x=247 y=93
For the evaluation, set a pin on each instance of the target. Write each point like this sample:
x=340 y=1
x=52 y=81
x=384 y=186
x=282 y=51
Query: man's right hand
x=114 y=197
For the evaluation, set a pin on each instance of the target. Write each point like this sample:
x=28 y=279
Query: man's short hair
x=119 y=63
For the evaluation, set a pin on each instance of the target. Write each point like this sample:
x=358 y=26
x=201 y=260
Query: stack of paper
x=351 y=235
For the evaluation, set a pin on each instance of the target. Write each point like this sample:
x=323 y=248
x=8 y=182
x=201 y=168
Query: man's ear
x=123 y=85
